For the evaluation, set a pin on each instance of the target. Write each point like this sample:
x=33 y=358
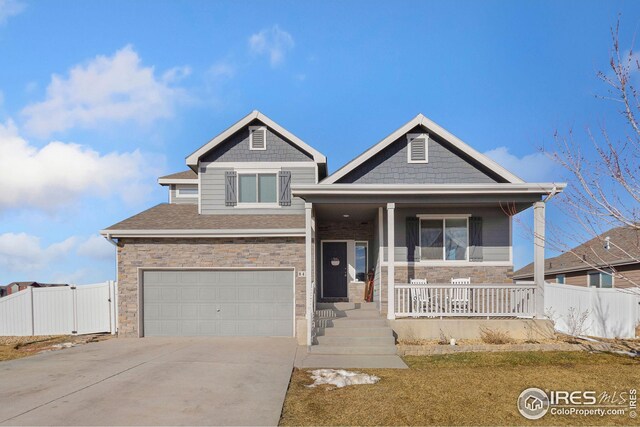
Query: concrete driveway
x=150 y=381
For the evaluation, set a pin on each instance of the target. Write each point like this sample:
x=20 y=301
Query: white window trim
x=257 y=128
x=366 y=266
x=444 y=217
x=410 y=138
x=600 y=273
x=257 y=205
x=186 y=196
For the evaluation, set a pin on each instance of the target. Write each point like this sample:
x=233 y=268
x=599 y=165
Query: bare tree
x=603 y=172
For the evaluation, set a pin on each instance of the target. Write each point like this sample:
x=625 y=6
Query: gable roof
x=421 y=120
x=192 y=159
x=185 y=177
x=624 y=249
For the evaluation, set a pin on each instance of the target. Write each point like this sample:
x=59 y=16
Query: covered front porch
x=428 y=256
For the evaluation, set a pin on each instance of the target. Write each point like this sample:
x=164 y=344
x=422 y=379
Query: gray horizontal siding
x=181 y=200
x=212 y=192
x=495 y=231
x=236 y=149
x=445 y=166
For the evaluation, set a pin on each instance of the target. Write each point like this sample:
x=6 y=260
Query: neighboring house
x=255 y=225
x=14 y=287
x=610 y=260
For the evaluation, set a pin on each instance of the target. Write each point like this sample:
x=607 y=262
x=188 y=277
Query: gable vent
x=417 y=152
x=258 y=138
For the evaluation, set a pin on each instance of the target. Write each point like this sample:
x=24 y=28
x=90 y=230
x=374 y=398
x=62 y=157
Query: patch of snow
x=340 y=378
x=64 y=345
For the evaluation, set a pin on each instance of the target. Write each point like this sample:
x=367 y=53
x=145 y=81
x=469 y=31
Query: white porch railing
x=445 y=300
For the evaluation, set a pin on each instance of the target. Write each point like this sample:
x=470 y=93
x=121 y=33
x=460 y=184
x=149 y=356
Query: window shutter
x=412 y=230
x=418 y=147
x=230 y=190
x=475 y=239
x=258 y=141
x=285 y=188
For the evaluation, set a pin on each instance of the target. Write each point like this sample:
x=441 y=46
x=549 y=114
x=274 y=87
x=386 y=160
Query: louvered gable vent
x=258 y=138
x=417 y=150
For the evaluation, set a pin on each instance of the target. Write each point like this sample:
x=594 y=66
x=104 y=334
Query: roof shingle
x=624 y=248
x=186 y=217
x=188 y=174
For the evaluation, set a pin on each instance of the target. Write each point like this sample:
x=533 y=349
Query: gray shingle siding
x=213 y=195
x=495 y=231
x=390 y=166
x=236 y=149
x=181 y=200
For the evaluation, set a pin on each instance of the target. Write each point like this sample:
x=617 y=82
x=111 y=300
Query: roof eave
x=420 y=119
x=170 y=181
x=149 y=233
x=193 y=158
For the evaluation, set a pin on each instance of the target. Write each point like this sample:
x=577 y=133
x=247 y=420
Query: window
x=444 y=239
x=560 y=278
x=186 y=191
x=257 y=137
x=361 y=261
x=257 y=188
x=600 y=279
x=417 y=148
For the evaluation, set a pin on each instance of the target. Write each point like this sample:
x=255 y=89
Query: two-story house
x=255 y=235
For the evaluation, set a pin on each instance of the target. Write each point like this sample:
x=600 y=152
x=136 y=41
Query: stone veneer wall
x=137 y=253
x=479 y=275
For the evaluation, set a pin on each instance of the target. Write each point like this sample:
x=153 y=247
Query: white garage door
x=218 y=303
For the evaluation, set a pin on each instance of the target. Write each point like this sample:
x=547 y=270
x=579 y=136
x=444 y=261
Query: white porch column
x=391 y=258
x=538 y=255
x=380 y=254
x=308 y=270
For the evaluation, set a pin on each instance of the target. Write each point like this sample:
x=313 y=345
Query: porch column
x=538 y=255
x=391 y=258
x=308 y=241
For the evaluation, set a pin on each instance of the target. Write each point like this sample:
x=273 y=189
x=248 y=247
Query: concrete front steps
x=352 y=329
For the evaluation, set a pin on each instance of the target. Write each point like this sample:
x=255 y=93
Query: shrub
x=495 y=336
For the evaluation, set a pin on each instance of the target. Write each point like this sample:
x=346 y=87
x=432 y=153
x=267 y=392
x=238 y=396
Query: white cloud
x=535 y=167
x=221 y=69
x=21 y=252
x=9 y=8
x=273 y=42
x=107 y=89
x=96 y=247
x=59 y=173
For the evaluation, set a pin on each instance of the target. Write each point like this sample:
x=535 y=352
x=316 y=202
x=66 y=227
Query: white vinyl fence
x=60 y=310
x=605 y=313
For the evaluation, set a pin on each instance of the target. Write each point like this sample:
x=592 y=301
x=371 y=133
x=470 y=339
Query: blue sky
x=97 y=99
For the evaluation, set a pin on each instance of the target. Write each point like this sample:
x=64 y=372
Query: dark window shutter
x=475 y=239
x=285 y=188
x=230 y=189
x=412 y=229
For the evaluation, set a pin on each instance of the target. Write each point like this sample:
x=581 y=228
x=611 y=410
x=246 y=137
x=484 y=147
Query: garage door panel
x=222 y=302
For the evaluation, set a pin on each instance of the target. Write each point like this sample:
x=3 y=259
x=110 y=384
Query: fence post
x=33 y=321
x=112 y=307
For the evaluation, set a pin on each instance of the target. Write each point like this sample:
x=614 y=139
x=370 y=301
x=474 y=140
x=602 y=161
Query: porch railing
x=444 y=300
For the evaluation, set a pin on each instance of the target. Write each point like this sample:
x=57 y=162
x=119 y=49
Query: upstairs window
x=186 y=191
x=257 y=188
x=560 y=279
x=257 y=137
x=417 y=148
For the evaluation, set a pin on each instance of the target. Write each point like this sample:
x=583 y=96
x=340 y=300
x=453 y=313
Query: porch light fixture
x=346 y=215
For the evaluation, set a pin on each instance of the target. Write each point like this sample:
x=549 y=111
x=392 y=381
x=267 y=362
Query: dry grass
x=495 y=336
x=18 y=347
x=461 y=389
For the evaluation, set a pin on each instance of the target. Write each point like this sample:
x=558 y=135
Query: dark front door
x=334 y=269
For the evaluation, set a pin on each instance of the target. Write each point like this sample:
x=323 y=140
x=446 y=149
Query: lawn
x=462 y=389
x=18 y=347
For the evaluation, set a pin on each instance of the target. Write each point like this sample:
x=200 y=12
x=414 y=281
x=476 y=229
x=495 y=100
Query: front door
x=334 y=269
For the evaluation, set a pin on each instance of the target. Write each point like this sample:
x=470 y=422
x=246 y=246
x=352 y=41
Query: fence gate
x=60 y=310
